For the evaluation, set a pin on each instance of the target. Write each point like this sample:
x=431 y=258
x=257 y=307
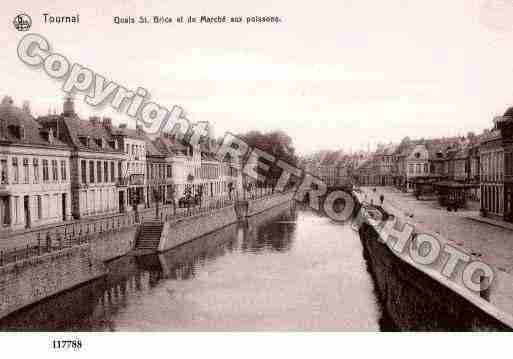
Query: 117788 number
x=67 y=344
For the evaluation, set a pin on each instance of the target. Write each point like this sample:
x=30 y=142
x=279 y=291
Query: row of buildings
x=58 y=168
x=480 y=167
x=335 y=168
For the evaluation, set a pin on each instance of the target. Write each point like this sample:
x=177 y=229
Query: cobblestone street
x=493 y=243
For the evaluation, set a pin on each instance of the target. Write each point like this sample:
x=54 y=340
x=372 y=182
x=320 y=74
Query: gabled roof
x=129 y=132
x=151 y=148
x=77 y=128
x=169 y=146
x=16 y=118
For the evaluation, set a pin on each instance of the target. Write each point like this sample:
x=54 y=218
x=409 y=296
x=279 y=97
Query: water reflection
x=272 y=231
x=285 y=269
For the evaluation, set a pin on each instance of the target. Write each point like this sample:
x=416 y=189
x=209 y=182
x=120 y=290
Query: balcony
x=122 y=181
x=136 y=179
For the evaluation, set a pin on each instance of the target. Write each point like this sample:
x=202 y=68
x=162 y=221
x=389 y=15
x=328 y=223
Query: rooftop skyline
x=338 y=79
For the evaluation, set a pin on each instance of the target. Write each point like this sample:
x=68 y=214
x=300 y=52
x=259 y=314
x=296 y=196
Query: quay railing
x=60 y=236
x=65 y=235
x=206 y=205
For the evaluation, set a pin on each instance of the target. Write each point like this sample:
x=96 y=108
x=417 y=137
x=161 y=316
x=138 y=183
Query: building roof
x=76 y=128
x=151 y=148
x=133 y=133
x=20 y=127
x=169 y=146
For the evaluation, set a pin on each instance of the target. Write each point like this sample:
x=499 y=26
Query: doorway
x=64 y=207
x=508 y=203
x=121 y=201
x=26 y=207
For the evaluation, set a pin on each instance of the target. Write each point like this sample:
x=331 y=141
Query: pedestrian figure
x=381 y=199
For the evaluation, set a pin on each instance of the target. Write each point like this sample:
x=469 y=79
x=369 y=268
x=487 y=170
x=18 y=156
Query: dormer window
x=99 y=142
x=15 y=131
x=417 y=155
x=83 y=140
x=112 y=144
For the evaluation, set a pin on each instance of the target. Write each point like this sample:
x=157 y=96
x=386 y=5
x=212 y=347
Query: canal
x=285 y=269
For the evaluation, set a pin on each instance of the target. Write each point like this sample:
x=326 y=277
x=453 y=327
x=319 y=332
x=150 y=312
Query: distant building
x=384 y=165
x=496 y=160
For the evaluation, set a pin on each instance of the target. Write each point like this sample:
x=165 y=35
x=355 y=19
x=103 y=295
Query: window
x=119 y=169
x=112 y=172
x=63 y=170
x=105 y=172
x=99 y=142
x=35 y=164
x=425 y=167
x=83 y=140
x=3 y=165
x=16 y=201
x=25 y=170
x=4 y=205
x=46 y=176
x=39 y=208
x=56 y=205
x=169 y=171
x=16 y=170
x=54 y=171
x=91 y=171
x=98 y=171
x=83 y=170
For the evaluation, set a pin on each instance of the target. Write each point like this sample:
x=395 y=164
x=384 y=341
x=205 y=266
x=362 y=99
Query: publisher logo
x=22 y=22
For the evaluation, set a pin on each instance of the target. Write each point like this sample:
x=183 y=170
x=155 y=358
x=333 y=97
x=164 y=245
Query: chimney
x=68 y=108
x=26 y=107
x=94 y=120
x=6 y=102
x=107 y=123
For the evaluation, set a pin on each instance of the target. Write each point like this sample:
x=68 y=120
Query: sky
x=333 y=74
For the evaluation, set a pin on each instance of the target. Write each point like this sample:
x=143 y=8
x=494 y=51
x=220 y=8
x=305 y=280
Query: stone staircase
x=149 y=236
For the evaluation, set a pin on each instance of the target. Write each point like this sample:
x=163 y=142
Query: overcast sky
x=333 y=74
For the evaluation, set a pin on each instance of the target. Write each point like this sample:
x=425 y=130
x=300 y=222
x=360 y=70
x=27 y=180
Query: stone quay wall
x=27 y=281
x=413 y=301
x=109 y=245
x=183 y=230
x=177 y=232
x=413 y=297
x=32 y=279
x=68 y=264
x=259 y=205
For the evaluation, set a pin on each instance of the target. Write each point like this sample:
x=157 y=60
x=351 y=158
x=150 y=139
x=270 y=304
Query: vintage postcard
x=270 y=166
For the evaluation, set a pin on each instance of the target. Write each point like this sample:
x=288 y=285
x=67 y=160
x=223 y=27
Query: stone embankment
x=420 y=297
x=60 y=258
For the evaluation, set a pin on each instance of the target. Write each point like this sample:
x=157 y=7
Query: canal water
x=285 y=269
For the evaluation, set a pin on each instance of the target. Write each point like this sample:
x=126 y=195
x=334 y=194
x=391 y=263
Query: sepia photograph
x=272 y=170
